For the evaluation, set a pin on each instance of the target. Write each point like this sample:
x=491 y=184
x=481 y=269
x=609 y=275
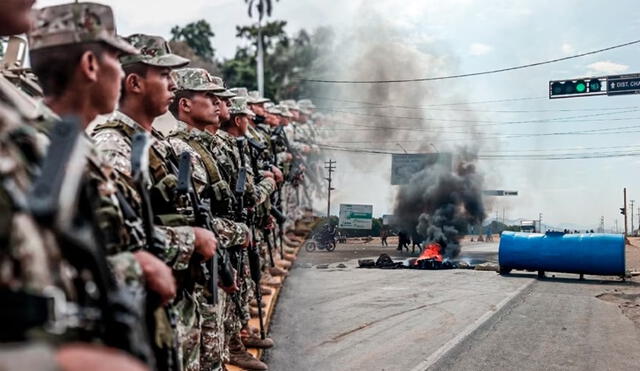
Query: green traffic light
x=581 y=87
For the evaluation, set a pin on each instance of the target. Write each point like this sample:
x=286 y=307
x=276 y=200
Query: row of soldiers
x=127 y=249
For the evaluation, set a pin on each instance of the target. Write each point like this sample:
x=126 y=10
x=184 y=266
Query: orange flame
x=432 y=251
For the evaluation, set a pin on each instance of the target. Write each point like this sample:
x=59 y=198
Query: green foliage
x=287 y=59
x=198 y=36
x=262 y=6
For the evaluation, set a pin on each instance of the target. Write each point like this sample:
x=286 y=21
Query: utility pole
x=260 y=60
x=540 y=223
x=616 y=225
x=329 y=166
x=632 y=202
x=623 y=211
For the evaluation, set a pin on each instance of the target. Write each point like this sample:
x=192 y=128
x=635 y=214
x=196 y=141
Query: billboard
x=403 y=166
x=388 y=219
x=355 y=216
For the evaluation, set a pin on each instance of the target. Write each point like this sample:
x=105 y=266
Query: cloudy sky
x=462 y=36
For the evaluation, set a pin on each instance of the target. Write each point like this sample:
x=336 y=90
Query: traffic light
x=576 y=88
x=623 y=210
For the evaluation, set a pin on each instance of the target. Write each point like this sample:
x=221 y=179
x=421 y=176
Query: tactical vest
x=218 y=190
x=156 y=163
x=163 y=190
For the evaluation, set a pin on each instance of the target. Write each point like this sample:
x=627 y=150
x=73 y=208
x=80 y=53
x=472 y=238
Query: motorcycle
x=322 y=239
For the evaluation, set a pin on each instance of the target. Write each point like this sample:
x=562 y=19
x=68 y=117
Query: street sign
x=404 y=166
x=355 y=216
x=623 y=84
x=388 y=219
x=499 y=192
x=602 y=85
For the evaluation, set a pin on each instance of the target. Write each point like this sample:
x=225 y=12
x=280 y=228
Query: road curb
x=461 y=336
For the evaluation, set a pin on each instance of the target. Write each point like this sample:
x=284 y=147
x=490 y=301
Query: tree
x=271 y=32
x=198 y=36
x=289 y=59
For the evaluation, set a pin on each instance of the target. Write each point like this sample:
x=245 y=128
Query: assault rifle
x=254 y=256
x=219 y=264
x=257 y=149
x=140 y=144
x=62 y=201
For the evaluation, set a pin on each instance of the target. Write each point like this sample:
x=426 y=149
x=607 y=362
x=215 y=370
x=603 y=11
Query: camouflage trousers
x=291 y=204
x=212 y=334
x=237 y=315
x=188 y=331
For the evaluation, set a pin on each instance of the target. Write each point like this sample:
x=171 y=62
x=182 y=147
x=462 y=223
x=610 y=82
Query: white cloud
x=607 y=67
x=480 y=49
x=568 y=48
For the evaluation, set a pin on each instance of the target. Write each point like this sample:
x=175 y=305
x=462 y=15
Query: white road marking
x=435 y=356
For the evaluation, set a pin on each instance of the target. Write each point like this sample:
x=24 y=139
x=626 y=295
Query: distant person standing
x=403 y=240
x=383 y=237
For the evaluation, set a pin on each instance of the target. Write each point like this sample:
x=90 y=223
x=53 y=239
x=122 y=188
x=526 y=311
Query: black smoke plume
x=440 y=202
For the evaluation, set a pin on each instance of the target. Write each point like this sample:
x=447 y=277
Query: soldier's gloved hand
x=158 y=276
x=233 y=288
x=84 y=356
x=206 y=243
x=277 y=174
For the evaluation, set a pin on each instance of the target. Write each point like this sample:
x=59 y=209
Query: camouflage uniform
x=228 y=158
x=113 y=140
x=210 y=185
x=32 y=262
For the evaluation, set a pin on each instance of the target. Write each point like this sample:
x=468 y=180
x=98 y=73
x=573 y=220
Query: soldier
x=39 y=270
x=196 y=107
x=147 y=91
x=257 y=193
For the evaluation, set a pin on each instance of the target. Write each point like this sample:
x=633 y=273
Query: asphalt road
x=360 y=319
x=370 y=319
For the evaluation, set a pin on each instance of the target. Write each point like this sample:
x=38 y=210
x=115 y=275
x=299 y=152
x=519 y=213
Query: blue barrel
x=595 y=253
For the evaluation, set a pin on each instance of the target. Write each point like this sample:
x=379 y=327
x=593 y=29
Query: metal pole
x=632 y=229
x=625 y=212
x=260 y=61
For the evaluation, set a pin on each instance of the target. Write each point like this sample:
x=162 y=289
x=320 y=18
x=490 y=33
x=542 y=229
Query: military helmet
x=154 y=51
x=272 y=108
x=239 y=107
x=256 y=98
x=226 y=93
x=76 y=23
x=241 y=92
x=195 y=79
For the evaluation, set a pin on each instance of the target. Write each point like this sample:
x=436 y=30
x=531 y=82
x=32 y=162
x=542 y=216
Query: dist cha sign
x=355 y=216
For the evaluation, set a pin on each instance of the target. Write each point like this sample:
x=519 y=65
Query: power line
x=504 y=100
x=485 y=121
x=487 y=136
x=573 y=156
x=425 y=108
x=474 y=73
